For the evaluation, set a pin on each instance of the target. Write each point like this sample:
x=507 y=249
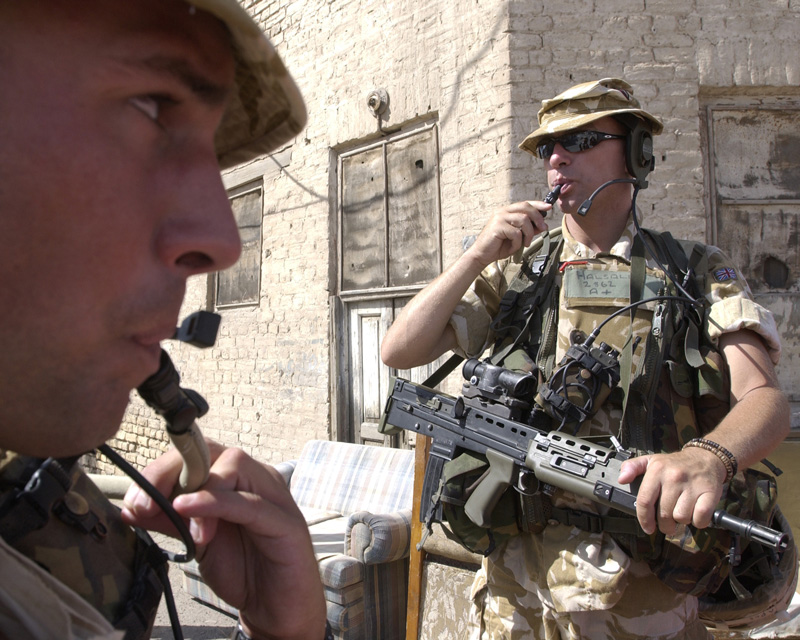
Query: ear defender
x=639 y=156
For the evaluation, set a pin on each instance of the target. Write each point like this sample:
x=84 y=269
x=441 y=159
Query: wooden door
x=756 y=203
x=369 y=377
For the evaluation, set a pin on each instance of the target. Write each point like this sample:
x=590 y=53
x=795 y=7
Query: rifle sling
x=442 y=371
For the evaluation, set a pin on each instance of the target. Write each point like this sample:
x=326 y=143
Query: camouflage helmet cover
x=266 y=109
x=585 y=103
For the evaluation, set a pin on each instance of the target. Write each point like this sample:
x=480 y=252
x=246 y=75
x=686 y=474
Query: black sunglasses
x=574 y=142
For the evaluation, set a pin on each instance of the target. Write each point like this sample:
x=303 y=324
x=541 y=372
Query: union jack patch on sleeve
x=726 y=273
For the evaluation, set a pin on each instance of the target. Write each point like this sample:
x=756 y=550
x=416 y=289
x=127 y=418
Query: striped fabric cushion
x=347 y=622
x=375 y=539
x=344 y=477
x=314 y=516
x=340 y=572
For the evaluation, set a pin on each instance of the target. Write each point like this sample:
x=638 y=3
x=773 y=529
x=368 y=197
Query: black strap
x=594 y=523
x=30 y=508
x=443 y=371
x=541 y=273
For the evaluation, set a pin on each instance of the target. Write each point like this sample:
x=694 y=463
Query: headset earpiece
x=639 y=156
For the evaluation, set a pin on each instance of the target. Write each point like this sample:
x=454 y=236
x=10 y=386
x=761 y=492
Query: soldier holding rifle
x=563 y=578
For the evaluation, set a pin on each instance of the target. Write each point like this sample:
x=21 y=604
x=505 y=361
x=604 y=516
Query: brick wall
x=482 y=70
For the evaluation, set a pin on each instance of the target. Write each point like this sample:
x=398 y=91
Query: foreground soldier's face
x=110 y=197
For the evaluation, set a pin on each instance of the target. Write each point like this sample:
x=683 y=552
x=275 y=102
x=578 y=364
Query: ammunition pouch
x=514 y=513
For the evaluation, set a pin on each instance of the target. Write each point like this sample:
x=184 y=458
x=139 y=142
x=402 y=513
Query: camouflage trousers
x=566 y=584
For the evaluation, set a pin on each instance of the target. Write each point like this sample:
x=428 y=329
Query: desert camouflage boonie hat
x=267 y=109
x=585 y=103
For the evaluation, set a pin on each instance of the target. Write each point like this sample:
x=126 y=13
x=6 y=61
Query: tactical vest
x=665 y=362
x=54 y=514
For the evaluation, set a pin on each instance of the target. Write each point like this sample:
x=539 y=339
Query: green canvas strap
x=546 y=358
x=537 y=276
x=443 y=371
x=690 y=260
x=636 y=284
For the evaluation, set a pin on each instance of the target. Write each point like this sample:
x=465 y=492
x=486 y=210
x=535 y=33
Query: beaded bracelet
x=727 y=458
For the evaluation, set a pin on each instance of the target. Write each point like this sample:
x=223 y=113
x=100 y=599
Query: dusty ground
x=198 y=620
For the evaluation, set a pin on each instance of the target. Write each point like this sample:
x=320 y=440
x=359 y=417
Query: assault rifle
x=486 y=420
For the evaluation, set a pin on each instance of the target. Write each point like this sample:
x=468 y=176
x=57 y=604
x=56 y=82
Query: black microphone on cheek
x=584 y=208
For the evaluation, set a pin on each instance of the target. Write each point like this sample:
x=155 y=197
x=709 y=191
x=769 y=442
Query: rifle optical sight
x=496 y=381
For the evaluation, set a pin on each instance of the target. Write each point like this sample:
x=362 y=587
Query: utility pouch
x=460 y=478
x=579 y=387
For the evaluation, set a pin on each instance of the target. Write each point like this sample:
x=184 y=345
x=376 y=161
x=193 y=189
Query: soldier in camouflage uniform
x=569 y=580
x=115 y=119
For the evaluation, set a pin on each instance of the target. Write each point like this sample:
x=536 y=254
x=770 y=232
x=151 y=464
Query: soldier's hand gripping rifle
x=520 y=455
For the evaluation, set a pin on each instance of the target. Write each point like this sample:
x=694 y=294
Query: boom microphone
x=584 y=208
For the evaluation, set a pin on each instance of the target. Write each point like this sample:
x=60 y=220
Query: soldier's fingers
x=649 y=505
x=633 y=468
x=242 y=491
x=683 y=510
x=667 y=502
x=163 y=474
x=522 y=228
x=704 y=510
x=646 y=504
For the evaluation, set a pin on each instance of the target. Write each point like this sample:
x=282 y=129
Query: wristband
x=239 y=633
x=725 y=456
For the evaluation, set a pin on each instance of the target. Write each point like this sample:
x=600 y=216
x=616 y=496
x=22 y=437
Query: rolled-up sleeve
x=733 y=314
x=472 y=318
x=733 y=307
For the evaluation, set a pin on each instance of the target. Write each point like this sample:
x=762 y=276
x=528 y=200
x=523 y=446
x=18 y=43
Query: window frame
x=243 y=189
